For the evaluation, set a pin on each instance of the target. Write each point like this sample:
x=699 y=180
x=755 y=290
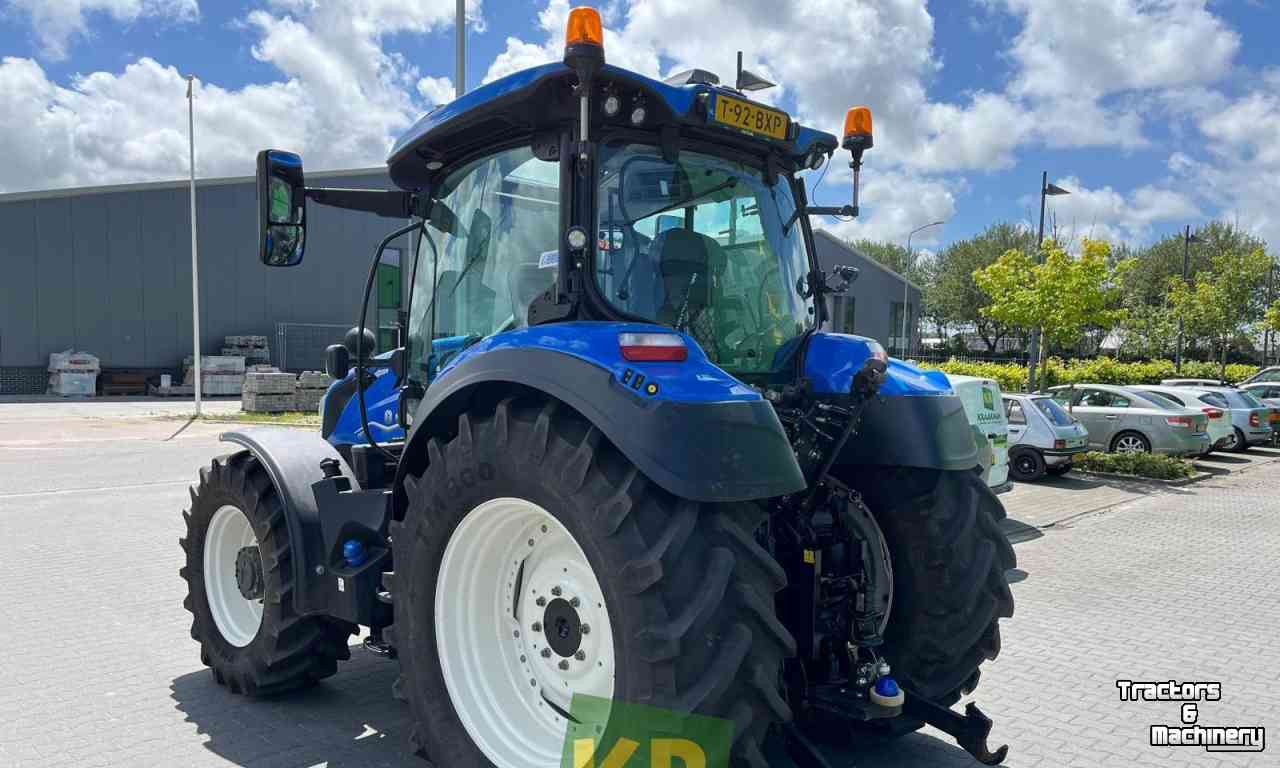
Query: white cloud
x=894 y=203
x=55 y=22
x=1107 y=214
x=342 y=100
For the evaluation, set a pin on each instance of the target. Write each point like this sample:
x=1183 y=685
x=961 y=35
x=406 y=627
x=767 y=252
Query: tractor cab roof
x=541 y=101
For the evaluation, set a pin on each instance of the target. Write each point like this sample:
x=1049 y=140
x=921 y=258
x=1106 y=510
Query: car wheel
x=1239 y=444
x=1026 y=465
x=1130 y=442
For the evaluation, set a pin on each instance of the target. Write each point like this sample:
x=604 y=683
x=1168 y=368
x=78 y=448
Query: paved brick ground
x=98 y=669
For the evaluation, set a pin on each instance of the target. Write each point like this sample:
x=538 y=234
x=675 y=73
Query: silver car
x=1269 y=393
x=1043 y=438
x=1123 y=420
x=1249 y=416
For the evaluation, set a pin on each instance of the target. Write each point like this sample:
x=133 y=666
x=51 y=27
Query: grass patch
x=285 y=418
x=1154 y=466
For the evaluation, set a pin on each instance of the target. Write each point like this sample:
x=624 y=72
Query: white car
x=1043 y=438
x=1221 y=433
x=984 y=406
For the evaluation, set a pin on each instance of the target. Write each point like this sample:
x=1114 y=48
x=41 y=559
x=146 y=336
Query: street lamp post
x=1037 y=342
x=906 y=340
x=1187 y=240
x=195 y=267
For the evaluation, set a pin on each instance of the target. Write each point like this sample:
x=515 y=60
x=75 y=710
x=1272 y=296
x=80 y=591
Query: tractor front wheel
x=535 y=565
x=240 y=582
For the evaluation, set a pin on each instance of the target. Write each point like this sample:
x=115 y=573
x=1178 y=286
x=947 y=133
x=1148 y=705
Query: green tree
x=954 y=294
x=891 y=255
x=1222 y=300
x=1061 y=298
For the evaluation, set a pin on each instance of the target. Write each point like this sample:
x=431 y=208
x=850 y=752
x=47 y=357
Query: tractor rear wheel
x=535 y=563
x=239 y=586
x=950 y=587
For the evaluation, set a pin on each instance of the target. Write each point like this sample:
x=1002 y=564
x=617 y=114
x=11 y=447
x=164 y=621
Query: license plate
x=751 y=118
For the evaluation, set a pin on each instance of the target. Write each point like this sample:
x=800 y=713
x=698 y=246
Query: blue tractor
x=616 y=457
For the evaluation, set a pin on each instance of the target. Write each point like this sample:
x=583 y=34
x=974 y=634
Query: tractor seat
x=688 y=263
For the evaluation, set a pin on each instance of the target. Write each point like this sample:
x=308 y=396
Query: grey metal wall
x=875 y=291
x=108 y=270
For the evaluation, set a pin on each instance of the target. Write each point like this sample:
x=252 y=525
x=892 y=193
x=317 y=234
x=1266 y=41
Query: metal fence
x=300 y=346
x=942 y=357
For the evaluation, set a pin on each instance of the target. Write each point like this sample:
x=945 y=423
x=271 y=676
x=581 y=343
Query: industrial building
x=107 y=270
x=874 y=304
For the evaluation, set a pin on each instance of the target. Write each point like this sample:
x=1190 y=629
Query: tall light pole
x=195 y=266
x=906 y=340
x=1187 y=240
x=460 y=52
x=1046 y=189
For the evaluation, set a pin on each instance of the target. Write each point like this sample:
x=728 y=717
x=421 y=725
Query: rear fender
x=320 y=514
x=917 y=420
x=692 y=429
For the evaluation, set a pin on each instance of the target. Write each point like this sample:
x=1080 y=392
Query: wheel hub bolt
x=537 y=626
x=541 y=602
x=564 y=664
x=556 y=591
x=546 y=653
x=575 y=602
x=586 y=629
x=580 y=656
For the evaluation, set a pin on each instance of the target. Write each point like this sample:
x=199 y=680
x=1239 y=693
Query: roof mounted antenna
x=749 y=81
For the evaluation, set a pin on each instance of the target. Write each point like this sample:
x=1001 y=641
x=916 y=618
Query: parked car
x=1221 y=434
x=1043 y=438
x=1191 y=383
x=1123 y=420
x=985 y=408
x=1269 y=393
x=1268 y=375
x=1249 y=416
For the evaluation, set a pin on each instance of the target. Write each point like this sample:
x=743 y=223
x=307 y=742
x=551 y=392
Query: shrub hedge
x=1013 y=377
x=1149 y=465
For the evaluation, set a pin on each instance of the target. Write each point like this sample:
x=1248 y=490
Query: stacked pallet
x=268 y=392
x=219 y=374
x=253 y=349
x=310 y=389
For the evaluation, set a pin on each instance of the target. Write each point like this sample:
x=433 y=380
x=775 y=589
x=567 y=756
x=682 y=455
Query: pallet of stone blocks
x=269 y=383
x=256 y=402
x=310 y=390
x=252 y=348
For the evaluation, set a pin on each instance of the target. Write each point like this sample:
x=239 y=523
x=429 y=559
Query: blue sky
x=1155 y=113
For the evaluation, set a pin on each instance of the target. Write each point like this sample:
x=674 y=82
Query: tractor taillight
x=653 y=347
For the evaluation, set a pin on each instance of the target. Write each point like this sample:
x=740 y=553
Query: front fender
x=692 y=429
x=917 y=420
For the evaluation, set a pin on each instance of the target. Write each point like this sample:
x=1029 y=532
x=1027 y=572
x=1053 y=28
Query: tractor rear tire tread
x=289 y=651
x=692 y=599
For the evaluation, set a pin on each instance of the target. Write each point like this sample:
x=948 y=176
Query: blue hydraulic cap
x=887 y=686
x=354 y=553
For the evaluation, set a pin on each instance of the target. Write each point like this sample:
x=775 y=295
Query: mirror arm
x=819 y=210
x=383 y=202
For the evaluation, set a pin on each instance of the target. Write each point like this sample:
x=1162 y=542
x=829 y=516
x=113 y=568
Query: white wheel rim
x=509 y=696
x=237 y=618
x=1130 y=445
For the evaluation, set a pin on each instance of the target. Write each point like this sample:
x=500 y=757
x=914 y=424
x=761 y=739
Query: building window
x=842 y=314
x=899 y=344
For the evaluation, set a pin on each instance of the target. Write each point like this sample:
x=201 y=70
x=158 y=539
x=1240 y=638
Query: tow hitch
x=970 y=730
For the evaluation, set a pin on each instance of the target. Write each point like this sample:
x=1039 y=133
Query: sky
x=1154 y=114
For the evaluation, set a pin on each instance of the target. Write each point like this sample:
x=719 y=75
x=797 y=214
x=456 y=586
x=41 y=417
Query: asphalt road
x=99 y=669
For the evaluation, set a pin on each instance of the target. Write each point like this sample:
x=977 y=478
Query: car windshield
x=702 y=244
x=1054 y=412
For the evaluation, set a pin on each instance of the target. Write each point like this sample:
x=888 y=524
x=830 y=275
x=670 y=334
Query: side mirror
x=847 y=274
x=337 y=361
x=282 y=208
